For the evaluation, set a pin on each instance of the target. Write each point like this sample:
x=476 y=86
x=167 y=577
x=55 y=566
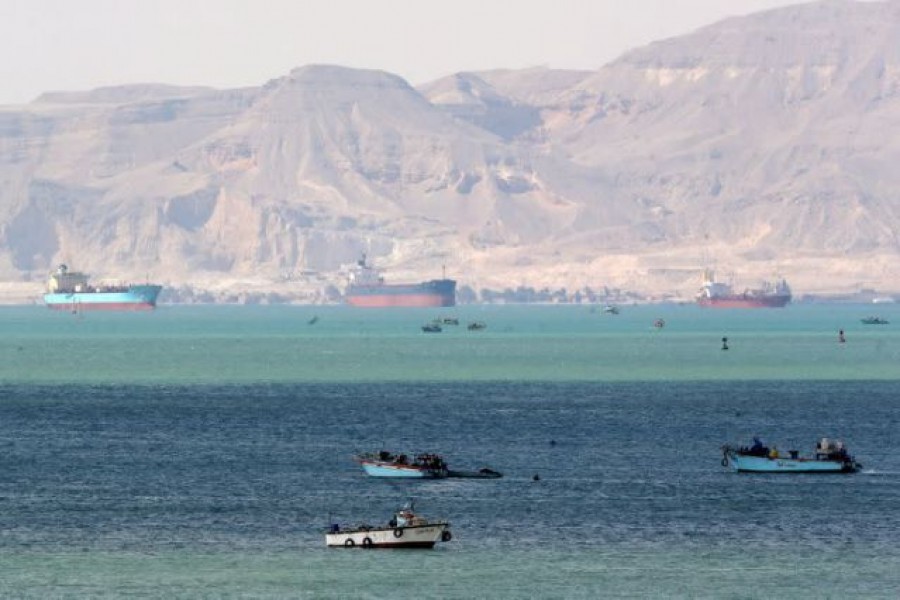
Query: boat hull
x=385 y=469
x=760 y=464
x=135 y=298
x=419 y=536
x=480 y=474
x=437 y=293
x=744 y=302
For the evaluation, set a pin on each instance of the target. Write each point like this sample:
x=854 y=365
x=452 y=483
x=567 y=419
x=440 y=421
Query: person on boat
x=405 y=517
x=773 y=453
x=757 y=449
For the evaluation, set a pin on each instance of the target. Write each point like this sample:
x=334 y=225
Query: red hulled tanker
x=368 y=289
x=720 y=295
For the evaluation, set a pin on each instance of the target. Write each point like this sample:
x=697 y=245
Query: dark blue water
x=206 y=491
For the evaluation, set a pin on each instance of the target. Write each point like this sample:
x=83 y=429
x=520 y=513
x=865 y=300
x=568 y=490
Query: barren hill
x=762 y=145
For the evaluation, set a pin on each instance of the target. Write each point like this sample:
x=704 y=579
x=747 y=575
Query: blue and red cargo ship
x=71 y=291
x=368 y=289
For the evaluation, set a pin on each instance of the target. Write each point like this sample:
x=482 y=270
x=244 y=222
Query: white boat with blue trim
x=830 y=457
x=421 y=466
x=388 y=464
x=406 y=529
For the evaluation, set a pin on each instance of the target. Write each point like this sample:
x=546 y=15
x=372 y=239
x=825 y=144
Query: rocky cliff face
x=762 y=144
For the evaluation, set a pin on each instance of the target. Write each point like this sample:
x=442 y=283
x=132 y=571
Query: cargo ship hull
x=745 y=302
x=436 y=293
x=135 y=298
x=716 y=294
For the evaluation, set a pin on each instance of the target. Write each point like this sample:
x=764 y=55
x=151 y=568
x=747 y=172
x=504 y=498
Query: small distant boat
x=874 y=321
x=420 y=466
x=476 y=325
x=610 y=310
x=831 y=457
x=432 y=328
x=659 y=323
x=406 y=529
x=450 y=321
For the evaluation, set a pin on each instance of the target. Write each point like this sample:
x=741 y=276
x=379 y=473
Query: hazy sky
x=82 y=44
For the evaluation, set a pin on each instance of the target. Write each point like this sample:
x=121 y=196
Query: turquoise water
x=535 y=343
x=200 y=452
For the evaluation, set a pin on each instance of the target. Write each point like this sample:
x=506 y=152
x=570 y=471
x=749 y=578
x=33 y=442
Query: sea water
x=202 y=451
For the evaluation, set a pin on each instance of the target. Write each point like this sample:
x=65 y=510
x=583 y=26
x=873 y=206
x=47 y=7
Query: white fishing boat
x=406 y=529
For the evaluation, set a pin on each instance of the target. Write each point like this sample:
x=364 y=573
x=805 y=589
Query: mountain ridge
x=760 y=144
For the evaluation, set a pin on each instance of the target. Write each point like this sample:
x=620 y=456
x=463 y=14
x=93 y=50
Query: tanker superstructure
x=721 y=295
x=71 y=291
x=367 y=288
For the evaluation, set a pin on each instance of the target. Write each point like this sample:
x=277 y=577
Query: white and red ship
x=721 y=295
x=367 y=288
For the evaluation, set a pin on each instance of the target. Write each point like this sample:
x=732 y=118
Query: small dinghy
x=483 y=473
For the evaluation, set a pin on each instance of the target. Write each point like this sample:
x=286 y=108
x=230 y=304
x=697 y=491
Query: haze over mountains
x=762 y=145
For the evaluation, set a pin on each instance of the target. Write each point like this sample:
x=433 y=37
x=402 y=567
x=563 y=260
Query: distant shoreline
x=818 y=300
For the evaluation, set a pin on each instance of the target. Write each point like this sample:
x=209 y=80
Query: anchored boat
x=406 y=529
x=367 y=288
x=388 y=464
x=420 y=466
x=874 y=321
x=71 y=291
x=830 y=457
x=721 y=295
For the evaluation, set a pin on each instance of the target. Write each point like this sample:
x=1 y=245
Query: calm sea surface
x=201 y=451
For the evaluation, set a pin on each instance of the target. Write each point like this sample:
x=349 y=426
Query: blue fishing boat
x=830 y=457
x=387 y=464
x=421 y=466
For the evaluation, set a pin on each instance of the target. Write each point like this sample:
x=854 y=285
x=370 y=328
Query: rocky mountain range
x=761 y=145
